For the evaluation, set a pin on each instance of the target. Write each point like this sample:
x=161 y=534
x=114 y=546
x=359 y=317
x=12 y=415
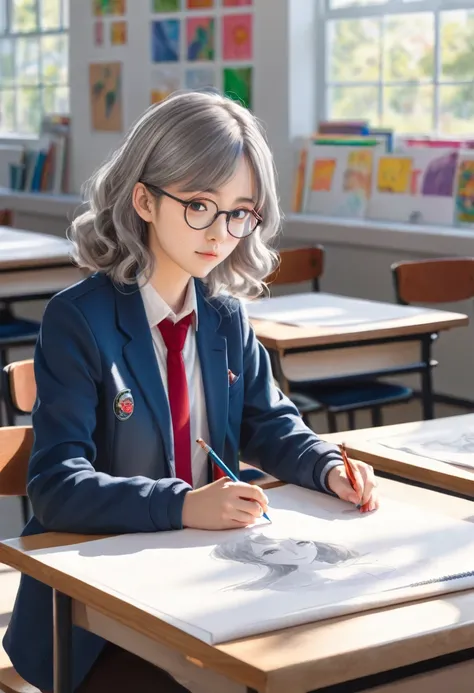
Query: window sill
x=430 y=240
x=39 y=203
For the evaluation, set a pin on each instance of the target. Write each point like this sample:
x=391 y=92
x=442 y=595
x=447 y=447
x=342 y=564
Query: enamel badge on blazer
x=123 y=405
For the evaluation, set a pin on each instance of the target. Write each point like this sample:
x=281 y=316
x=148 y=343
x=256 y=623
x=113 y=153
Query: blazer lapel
x=212 y=349
x=141 y=359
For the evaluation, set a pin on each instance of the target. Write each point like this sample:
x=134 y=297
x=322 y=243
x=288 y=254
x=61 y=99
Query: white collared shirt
x=157 y=310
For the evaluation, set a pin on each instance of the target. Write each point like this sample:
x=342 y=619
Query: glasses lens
x=200 y=213
x=242 y=223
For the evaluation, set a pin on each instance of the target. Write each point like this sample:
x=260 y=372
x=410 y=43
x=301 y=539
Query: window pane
x=65 y=14
x=354 y=50
x=7 y=110
x=7 y=64
x=456 y=112
x=28 y=107
x=3 y=16
x=50 y=14
x=56 y=100
x=409 y=108
x=24 y=15
x=54 y=57
x=409 y=47
x=457 y=45
x=337 y=4
x=353 y=102
x=27 y=60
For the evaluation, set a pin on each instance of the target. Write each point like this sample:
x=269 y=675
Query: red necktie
x=174 y=336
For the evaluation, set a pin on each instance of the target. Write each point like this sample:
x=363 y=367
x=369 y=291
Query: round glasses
x=200 y=213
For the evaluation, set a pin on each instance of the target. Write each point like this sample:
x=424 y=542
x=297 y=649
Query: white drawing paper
x=451 y=442
x=318 y=559
x=327 y=310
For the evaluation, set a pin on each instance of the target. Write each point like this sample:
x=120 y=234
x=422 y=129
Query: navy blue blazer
x=94 y=472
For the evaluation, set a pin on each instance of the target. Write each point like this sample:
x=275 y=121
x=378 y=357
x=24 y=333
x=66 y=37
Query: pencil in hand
x=222 y=465
x=350 y=472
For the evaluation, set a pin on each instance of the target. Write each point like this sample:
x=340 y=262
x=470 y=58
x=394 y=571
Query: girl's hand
x=224 y=504
x=365 y=494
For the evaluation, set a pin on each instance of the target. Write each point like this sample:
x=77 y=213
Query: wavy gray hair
x=192 y=138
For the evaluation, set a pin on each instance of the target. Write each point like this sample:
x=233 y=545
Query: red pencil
x=350 y=473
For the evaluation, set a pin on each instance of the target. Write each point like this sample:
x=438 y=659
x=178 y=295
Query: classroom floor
x=10 y=508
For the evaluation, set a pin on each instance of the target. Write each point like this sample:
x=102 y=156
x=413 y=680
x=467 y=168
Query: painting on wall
x=105 y=88
x=165 y=6
x=200 y=38
x=165 y=35
x=164 y=81
x=237 y=37
x=238 y=84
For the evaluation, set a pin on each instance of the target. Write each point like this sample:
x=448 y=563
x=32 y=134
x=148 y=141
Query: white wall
x=283 y=86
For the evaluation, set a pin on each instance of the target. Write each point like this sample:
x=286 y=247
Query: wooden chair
x=20 y=394
x=15 y=448
x=307 y=264
x=440 y=280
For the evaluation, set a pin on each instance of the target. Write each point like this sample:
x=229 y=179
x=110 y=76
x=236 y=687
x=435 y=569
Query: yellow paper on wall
x=394 y=174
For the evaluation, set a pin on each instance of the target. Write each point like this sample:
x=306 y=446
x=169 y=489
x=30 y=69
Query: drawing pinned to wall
x=238 y=84
x=323 y=173
x=464 y=204
x=199 y=4
x=105 y=87
x=237 y=3
x=165 y=35
x=200 y=38
x=101 y=8
x=394 y=174
x=164 y=81
x=200 y=79
x=118 y=7
x=99 y=33
x=158 y=6
x=440 y=175
x=118 y=33
x=237 y=37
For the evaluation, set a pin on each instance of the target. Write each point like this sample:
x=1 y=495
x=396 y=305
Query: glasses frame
x=186 y=204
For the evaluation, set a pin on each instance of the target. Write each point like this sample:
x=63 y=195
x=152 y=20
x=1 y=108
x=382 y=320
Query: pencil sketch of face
x=462 y=443
x=282 y=557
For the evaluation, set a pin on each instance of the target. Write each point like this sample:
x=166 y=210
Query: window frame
x=391 y=8
x=7 y=33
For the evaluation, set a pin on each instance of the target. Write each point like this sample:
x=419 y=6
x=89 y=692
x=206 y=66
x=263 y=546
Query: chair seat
x=359 y=395
x=304 y=402
x=18 y=328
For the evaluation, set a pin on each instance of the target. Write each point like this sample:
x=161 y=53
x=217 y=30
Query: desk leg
x=62 y=634
x=427 y=380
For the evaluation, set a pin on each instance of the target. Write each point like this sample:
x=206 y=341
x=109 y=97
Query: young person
x=154 y=350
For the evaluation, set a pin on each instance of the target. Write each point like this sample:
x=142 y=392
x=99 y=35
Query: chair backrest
x=16 y=441
x=15 y=449
x=21 y=385
x=299 y=265
x=440 y=280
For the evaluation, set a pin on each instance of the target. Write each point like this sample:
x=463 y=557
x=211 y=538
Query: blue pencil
x=222 y=465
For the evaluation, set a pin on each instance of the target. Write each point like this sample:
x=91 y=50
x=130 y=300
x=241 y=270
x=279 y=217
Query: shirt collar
x=157 y=309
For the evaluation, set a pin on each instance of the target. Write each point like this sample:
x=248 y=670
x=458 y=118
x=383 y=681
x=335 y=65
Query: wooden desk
x=34 y=265
x=305 y=658
x=369 y=348
x=363 y=445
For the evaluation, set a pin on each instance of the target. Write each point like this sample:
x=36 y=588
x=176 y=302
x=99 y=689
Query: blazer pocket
x=236 y=385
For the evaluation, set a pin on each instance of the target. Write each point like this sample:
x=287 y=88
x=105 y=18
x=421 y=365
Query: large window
x=408 y=64
x=33 y=63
